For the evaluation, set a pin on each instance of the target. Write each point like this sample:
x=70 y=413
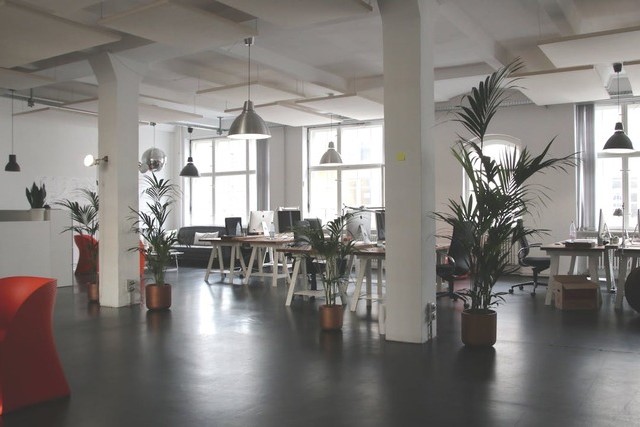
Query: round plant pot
x=157 y=297
x=93 y=292
x=331 y=317
x=478 y=328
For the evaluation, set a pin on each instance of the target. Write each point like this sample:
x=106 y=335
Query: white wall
x=53 y=144
x=535 y=127
x=50 y=146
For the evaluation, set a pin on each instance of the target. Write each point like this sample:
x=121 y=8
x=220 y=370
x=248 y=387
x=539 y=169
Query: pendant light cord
x=12 y=98
x=249 y=43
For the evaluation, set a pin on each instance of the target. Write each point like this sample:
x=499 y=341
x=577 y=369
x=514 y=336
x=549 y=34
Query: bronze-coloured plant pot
x=93 y=292
x=331 y=317
x=478 y=328
x=158 y=297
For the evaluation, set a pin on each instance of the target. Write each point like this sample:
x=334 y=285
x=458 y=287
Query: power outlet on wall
x=131 y=285
x=430 y=312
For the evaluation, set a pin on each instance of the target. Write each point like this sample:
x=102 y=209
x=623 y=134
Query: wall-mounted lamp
x=89 y=160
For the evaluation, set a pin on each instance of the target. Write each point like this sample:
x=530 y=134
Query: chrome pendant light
x=12 y=165
x=249 y=125
x=190 y=170
x=153 y=159
x=331 y=156
x=619 y=142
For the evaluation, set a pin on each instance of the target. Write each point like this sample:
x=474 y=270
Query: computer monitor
x=233 y=226
x=258 y=220
x=287 y=219
x=359 y=226
x=380 y=225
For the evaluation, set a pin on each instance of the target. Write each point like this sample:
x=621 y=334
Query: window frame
x=341 y=168
x=490 y=140
x=212 y=175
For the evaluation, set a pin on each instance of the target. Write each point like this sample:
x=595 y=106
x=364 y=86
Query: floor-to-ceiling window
x=227 y=184
x=617 y=175
x=357 y=181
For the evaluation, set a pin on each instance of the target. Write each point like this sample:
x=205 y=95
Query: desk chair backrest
x=523 y=251
x=460 y=238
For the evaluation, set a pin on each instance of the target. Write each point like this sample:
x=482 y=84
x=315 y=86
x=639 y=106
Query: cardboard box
x=576 y=293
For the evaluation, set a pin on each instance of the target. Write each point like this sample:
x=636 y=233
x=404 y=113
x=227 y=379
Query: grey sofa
x=198 y=255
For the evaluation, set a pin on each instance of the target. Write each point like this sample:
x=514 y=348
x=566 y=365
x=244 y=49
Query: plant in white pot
x=37 y=198
x=502 y=193
x=151 y=225
x=85 y=224
x=331 y=249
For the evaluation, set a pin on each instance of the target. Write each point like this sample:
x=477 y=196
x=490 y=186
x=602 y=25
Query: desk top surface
x=258 y=239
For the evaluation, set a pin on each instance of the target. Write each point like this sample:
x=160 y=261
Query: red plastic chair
x=84 y=243
x=30 y=370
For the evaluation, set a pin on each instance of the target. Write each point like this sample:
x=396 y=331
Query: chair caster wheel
x=511 y=290
x=533 y=294
x=521 y=288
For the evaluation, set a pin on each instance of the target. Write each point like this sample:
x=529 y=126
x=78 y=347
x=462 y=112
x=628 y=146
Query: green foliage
x=502 y=193
x=150 y=224
x=330 y=245
x=85 y=219
x=36 y=196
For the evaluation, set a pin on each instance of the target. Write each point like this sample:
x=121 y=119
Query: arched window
x=495 y=146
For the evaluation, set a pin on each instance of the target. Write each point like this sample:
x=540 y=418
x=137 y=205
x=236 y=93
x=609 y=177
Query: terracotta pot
x=478 y=328
x=157 y=297
x=331 y=317
x=93 y=292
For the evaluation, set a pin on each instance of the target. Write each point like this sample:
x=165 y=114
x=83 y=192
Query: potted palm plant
x=331 y=248
x=85 y=224
x=501 y=194
x=151 y=225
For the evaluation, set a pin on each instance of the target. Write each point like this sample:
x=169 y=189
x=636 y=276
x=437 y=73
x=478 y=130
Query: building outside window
x=357 y=181
x=617 y=175
x=227 y=185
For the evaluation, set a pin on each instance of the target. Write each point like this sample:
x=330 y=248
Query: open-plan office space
x=381 y=80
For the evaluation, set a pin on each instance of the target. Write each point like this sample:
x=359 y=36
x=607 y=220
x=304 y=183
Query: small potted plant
x=85 y=224
x=150 y=224
x=502 y=194
x=331 y=248
x=37 y=196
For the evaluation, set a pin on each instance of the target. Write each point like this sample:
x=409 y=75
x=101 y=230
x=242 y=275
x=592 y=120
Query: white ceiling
x=312 y=60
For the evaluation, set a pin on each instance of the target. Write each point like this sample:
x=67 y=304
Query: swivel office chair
x=458 y=262
x=537 y=264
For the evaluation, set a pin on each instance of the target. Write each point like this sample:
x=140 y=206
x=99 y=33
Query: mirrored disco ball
x=154 y=159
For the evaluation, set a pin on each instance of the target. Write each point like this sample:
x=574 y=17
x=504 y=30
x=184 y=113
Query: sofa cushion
x=186 y=234
x=198 y=236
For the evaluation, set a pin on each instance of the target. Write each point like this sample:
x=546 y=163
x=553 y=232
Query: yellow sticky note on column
x=401 y=156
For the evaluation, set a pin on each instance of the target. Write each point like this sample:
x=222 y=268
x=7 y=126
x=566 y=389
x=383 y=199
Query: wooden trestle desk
x=365 y=253
x=259 y=244
x=556 y=250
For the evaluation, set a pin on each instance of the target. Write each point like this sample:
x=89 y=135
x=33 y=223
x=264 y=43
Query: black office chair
x=537 y=264
x=458 y=262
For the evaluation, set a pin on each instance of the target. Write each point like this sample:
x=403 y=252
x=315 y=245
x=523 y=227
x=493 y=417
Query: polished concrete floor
x=229 y=355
